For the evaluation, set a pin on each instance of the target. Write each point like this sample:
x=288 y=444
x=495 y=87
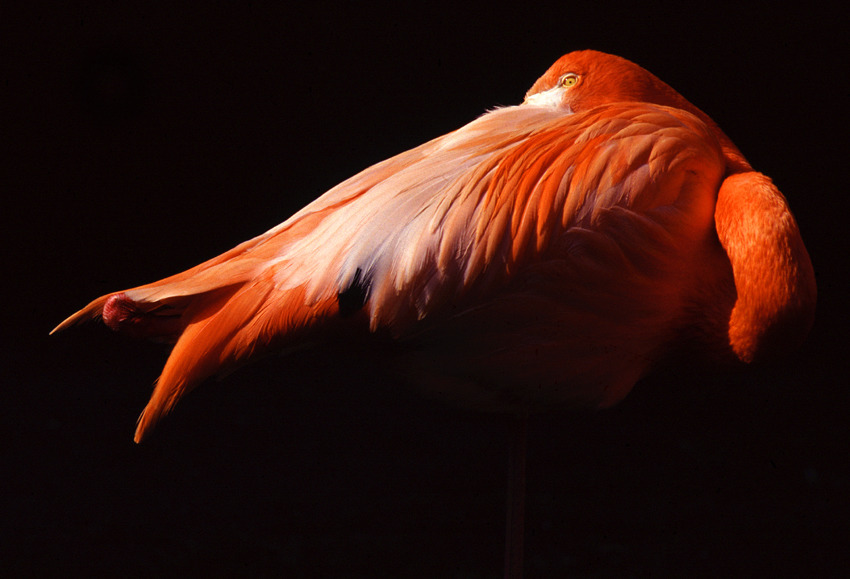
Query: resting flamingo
x=544 y=255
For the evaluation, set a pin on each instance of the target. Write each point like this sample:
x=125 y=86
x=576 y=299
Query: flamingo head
x=586 y=79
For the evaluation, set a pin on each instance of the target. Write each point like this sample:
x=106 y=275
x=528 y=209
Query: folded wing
x=457 y=216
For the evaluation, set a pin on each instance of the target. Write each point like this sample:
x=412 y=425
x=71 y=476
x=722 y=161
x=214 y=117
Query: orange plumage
x=546 y=253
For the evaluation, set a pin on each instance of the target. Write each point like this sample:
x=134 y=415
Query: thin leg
x=515 y=528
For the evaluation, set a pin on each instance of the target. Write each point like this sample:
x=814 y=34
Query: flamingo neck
x=774 y=280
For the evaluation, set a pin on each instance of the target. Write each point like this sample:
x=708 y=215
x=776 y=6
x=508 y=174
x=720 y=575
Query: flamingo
x=545 y=255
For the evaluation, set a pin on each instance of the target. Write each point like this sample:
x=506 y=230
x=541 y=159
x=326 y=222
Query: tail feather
x=157 y=310
x=237 y=266
x=218 y=313
x=222 y=331
x=160 y=320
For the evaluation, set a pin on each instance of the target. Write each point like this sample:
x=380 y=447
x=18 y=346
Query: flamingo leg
x=515 y=527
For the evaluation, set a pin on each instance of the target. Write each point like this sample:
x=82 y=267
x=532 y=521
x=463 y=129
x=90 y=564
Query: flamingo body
x=544 y=254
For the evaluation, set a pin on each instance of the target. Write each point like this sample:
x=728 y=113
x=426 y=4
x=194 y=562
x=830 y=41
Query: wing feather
x=453 y=216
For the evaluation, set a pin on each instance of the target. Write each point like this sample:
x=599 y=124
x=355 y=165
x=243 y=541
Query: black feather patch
x=354 y=297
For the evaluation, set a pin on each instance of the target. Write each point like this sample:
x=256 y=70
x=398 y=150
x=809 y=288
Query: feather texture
x=540 y=254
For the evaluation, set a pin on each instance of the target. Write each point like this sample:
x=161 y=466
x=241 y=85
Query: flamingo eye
x=568 y=80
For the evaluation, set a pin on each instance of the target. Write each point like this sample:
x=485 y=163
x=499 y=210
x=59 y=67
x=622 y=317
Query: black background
x=138 y=141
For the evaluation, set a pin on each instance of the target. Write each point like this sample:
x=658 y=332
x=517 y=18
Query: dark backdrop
x=138 y=141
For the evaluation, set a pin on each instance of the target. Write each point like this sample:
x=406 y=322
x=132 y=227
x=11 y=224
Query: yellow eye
x=568 y=80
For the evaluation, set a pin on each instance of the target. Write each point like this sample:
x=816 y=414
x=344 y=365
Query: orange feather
x=546 y=253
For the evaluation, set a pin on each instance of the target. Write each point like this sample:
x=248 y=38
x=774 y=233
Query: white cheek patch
x=548 y=98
